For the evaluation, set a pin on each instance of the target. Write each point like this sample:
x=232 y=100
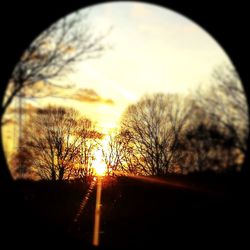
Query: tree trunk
x=53 y=175
x=5 y=176
x=61 y=174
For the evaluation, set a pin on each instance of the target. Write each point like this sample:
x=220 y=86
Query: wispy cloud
x=8 y=121
x=91 y=96
x=26 y=108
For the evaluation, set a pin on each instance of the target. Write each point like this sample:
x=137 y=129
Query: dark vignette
x=22 y=21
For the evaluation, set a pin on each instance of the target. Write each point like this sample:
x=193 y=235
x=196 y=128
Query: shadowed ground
x=201 y=211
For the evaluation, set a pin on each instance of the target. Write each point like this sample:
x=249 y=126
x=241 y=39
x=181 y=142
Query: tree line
x=159 y=134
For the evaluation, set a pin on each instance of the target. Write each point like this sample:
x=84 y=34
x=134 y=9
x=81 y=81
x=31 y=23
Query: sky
x=153 y=49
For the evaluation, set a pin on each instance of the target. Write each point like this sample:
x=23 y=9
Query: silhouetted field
x=192 y=211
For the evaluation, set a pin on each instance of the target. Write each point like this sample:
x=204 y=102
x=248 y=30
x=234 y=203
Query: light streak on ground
x=98 y=181
x=85 y=200
x=96 y=232
x=170 y=183
x=100 y=169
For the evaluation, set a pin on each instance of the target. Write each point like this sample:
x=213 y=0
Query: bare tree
x=89 y=141
x=112 y=152
x=54 y=139
x=51 y=56
x=155 y=124
x=207 y=145
x=21 y=162
x=226 y=106
x=119 y=154
x=234 y=105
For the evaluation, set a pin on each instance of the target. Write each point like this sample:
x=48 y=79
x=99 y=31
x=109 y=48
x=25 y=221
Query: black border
x=22 y=21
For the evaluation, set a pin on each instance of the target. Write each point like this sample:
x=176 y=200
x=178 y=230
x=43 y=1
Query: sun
x=99 y=165
x=100 y=169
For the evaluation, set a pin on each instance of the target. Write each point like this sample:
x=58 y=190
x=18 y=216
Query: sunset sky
x=153 y=50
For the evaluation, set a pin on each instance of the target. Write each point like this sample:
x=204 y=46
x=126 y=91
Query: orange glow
x=98 y=164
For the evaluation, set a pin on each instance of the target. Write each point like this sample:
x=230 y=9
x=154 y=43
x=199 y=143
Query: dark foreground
x=208 y=211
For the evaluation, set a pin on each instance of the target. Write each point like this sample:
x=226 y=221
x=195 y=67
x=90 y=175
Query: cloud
x=27 y=108
x=8 y=121
x=91 y=96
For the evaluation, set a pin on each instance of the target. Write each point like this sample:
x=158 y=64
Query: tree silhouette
x=53 y=54
x=55 y=138
x=226 y=106
x=119 y=154
x=155 y=124
x=89 y=141
x=21 y=162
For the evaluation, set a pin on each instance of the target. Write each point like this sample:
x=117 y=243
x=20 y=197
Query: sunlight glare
x=98 y=164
